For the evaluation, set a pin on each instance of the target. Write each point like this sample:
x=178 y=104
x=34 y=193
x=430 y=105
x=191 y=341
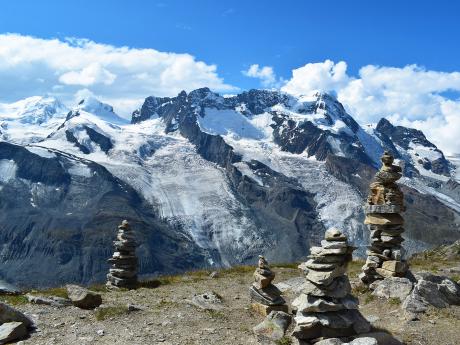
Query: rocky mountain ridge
x=206 y=180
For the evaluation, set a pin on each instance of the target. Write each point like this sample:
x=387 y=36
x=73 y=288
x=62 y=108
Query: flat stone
x=381 y=337
x=83 y=298
x=264 y=310
x=12 y=331
x=383 y=209
x=320 y=251
x=386 y=273
x=330 y=324
x=330 y=341
x=308 y=303
x=312 y=264
x=329 y=259
x=274 y=326
x=384 y=219
x=395 y=266
x=334 y=234
x=268 y=296
x=9 y=314
x=338 y=288
x=334 y=244
x=326 y=277
x=394 y=287
x=363 y=341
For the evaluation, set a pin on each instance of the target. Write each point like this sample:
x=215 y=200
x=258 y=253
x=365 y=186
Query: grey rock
x=364 y=341
x=430 y=293
x=320 y=251
x=83 y=298
x=338 y=288
x=52 y=300
x=382 y=338
x=326 y=277
x=393 y=287
x=334 y=234
x=11 y=331
x=267 y=296
x=308 y=303
x=214 y=274
x=9 y=314
x=330 y=341
x=273 y=327
x=207 y=301
x=414 y=304
x=334 y=244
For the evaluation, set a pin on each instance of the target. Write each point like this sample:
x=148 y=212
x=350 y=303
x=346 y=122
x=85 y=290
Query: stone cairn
x=265 y=296
x=325 y=307
x=385 y=255
x=123 y=273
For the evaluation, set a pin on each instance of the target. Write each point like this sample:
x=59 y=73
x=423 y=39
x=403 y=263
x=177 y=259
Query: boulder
x=9 y=314
x=52 y=301
x=394 y=287
x=414 y=304
x=83 y=298
x=12 y=331
x=273 y=327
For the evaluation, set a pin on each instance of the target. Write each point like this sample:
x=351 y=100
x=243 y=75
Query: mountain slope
x=210 y=181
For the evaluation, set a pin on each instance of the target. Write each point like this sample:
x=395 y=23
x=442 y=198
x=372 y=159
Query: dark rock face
x=280 y=203
x=58 y=217
x=404 y=137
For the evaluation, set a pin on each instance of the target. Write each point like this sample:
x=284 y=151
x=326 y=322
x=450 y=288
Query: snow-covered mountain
x=205 y=179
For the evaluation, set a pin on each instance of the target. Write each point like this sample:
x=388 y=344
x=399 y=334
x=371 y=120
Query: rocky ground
x=167 y=316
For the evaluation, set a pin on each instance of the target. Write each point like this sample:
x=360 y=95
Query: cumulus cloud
x=409 y=96
x=265 y=74
x=121 y=76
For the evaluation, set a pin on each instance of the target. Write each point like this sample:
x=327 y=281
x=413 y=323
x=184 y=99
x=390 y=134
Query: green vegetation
x=109 y=312
x=14 y=299
x=284 y=341
x=58 y=292
x=394 y=301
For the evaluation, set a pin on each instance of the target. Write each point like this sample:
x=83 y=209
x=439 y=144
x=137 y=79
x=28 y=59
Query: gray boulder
x=393 y=287
x=273 y=327
x=9 y=314
x=83 y=298
x=207 y=301
x=12 y=331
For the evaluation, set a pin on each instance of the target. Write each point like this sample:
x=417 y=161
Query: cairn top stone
x=263 y=264
x=124 y=225
x=334 y=234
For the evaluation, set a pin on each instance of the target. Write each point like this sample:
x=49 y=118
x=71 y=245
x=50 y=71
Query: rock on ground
x=9 y=314
x=393 y=287
x=273 y=327
x=11 y=331
x=83 y=298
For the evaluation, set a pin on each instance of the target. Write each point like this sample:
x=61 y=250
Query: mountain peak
x=102 y=110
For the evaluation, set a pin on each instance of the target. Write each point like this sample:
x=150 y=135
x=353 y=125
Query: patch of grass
x=98 y=288
x=238 y=270
x=14 y=299
x=284 y=341
x=455 y=277
x=108 y=312
x=216 y=314
x=394 y=301
x=58 y=292
x=369 y=298
x=355 y=267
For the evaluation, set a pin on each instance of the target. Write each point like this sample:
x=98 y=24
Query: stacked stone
x=265 y=296
x=326 y=308
x=123 y=273
x=385 y=255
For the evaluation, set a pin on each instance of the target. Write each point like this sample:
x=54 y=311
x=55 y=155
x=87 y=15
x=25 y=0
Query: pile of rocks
x=265 y=296
x=385 y=255
x=326 y=308
x=123 y=273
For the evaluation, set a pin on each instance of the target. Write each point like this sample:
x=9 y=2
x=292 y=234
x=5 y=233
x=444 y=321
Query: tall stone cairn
x=385 y=255
x=265 y=296
x=123 y=273
x=325 y=307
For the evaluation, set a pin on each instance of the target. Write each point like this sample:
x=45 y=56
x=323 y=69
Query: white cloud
x=265 y=74
x=121 y=76
x=409 y=96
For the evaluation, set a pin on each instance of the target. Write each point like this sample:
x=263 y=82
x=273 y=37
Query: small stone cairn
x=265 y=296
x=385 y=255
x=325 y=307
x=123 y=273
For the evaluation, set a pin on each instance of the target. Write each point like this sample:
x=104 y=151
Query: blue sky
x=393 y=59
x=235 y=34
